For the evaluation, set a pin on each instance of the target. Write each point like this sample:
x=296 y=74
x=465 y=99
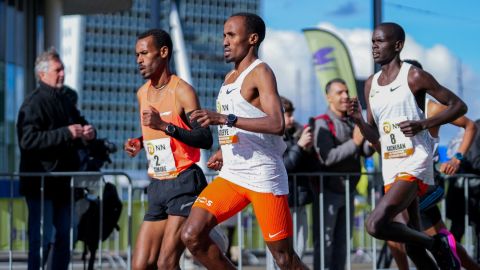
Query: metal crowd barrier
x=373 y=191
x=246 y=244
x=98 y=179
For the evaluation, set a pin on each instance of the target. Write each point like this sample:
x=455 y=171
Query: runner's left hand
x=410 y=127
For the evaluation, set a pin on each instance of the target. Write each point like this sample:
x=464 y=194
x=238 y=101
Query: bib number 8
x=392 y=139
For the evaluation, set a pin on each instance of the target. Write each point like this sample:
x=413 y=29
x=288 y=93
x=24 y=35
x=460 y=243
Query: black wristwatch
x=170 y=129
x=231 y=120
x=458 y=156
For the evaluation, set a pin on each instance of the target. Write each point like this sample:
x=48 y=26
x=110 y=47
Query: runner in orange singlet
x=172 y=145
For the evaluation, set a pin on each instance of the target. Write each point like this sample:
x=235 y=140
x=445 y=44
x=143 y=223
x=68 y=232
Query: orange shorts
x=422 y=187
x=223 y=199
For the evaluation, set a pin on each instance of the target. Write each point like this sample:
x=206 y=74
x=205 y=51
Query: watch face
x=170 y=129
x=458 y=156
x=231 y=117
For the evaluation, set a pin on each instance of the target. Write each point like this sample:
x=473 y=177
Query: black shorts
x=175 y=196
x=430 y=217
x=433 y=196
x=429 y=212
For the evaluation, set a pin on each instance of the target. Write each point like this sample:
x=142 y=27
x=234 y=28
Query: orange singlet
x=167 y=156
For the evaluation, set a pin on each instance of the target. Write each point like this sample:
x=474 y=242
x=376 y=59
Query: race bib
x=394 y=143
x=161 y=164
x=226 y=134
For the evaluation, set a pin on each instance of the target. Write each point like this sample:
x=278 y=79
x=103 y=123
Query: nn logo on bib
x=387 y=127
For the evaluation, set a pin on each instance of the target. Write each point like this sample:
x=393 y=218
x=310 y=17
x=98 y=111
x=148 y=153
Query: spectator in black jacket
x=49 y=130
x=299 y=157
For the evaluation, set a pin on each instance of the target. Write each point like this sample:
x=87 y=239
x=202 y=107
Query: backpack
x=329 y=121
x=331 y=128
x=88 y=226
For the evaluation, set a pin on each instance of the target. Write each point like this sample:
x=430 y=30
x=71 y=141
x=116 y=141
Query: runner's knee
x=139 y=264
x=191 y=236
x=373 y=225
x=282 y=258
x=370 y=226
x=170 y=262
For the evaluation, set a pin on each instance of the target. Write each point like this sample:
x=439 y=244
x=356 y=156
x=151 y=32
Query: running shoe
x=445 y=251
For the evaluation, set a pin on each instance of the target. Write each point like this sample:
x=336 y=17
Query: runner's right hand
x=151 y=118
x=132 y=147
x=206 y=118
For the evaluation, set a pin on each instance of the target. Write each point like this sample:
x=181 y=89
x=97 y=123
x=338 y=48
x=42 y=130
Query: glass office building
x=99 y=55
x=21 y=38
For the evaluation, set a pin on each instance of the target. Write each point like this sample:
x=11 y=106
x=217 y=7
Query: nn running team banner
x=330 y=58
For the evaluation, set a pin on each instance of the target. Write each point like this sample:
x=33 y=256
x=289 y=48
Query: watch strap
x=170 y=129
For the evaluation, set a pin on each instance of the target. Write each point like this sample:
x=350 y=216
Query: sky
x=443 y=35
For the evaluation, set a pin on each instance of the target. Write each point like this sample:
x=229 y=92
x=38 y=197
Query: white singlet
x=391 y=104
x=251 y=160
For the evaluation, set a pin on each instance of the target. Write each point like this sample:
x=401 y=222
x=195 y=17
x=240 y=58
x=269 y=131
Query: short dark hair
x=253 y=24
x=161 y=38
x=397 y=30
x=336 y=80
x=287 y=104
x=413 y=63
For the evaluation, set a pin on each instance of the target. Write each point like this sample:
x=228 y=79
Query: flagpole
x=377 y=19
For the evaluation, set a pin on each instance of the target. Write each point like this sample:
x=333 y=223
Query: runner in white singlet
x=395 y=120
x=431 y=220
x=250 y=124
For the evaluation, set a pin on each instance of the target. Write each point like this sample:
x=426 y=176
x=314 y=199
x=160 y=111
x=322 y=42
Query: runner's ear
x=399 y=45
x=253 y=39
x=164 y=52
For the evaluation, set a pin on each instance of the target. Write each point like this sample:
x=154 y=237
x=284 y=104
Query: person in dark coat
x=49 y=130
